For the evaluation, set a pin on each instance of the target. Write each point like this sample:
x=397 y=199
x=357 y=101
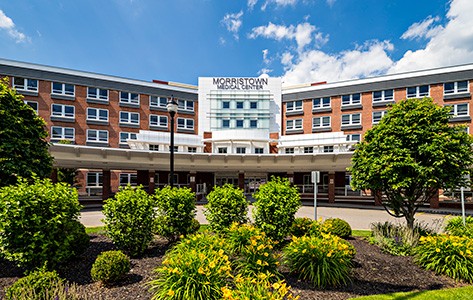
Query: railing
x=93 y=190
x=309 y=188
x=347 y=191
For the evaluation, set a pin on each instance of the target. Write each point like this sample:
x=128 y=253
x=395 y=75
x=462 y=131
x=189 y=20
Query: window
x=32 y=104
x=253 y=123
x=129 y=98
x=294 y=105
x=62 y=133
x=176 y=149
x=352 y=119
x=185 y=123
x=240 y=150
x=97 y=136
x=239 y=123
x=153 y=147
x=253 y=105
x=377 y=115
x=192 y=149
x=455 y=87
x=185 y=105
x=225 y=123
x=158 y=121
x=97 y=94
x=259 y=150
x=318 y=103
x=417 y=91
x=62 y=111
x=127 y=136
x=239 y=105
x=63 y=89
x=351 y=99
x=308 y=149
x=155 y=101
x=294 y=124
x=129 y=118
x=321 y=122
x=353 y=137
x=289 y=150
x=328 y=149
x=25 y=84
x=95 y=114
x=386 y=95
x=128 y=179
x=459 y=110
x=94 y=179
x=226 y=104
x=222 y=150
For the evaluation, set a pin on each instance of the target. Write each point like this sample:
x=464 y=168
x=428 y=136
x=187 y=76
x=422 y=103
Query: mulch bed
x=374 y=273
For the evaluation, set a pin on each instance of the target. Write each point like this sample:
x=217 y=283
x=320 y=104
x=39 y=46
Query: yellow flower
x=258 y=262
x=220 y=252
x=201 y=270
x=266 y=254
x=304 y=251
x=276 y=285
x=170 y=293
x=437 y=250
x=212 y=264
x=329 y=254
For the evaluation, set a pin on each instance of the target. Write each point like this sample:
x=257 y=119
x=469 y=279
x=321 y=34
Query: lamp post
x=172 y=109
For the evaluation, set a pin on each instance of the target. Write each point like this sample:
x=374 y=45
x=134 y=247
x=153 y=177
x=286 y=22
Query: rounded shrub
x=238 y=237
x=337 y=227
x=276 y=203
x=196 y=268
x=39 y=284
x=448 y=255
x=110 y=267
x=129 y=218
x=176 y=212
x=225 y=206
x=39 y=223
x=324 y=261
x=301 y=226
x=455 y=226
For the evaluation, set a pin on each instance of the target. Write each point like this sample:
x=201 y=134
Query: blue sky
x=180 y=40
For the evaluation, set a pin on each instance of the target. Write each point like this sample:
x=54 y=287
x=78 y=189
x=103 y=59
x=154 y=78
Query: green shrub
x=325 y=260
x=39 y=223
x=447 y=254
x=394 y=239
x=196 y=268
x=239 y=235
x=129 y=218
x=176 y=212
x=337 y=227
x=301 y=226
x=455 y=226
x=110 y=267
x=276 y=203
x=195 y=226
x=226 y=205
x=259 y=287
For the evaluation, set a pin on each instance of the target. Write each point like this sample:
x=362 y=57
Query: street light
x=172 y=109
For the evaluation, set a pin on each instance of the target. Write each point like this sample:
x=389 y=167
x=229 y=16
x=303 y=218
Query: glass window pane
x=411 y=91
x=449 y=87
x=462 y=86
x=423 y=90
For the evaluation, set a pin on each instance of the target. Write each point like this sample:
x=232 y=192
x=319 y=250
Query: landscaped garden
x=152 y=247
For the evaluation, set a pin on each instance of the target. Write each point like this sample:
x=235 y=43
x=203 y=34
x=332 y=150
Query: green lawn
x=361 y=233
x=95 y=230
x=463 y=293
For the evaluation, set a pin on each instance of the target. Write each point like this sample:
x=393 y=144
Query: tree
x=410 y=154
x=23 y=145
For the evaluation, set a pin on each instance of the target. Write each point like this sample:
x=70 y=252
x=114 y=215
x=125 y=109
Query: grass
x=95 y=230
x=445 y=294
x=361 y=233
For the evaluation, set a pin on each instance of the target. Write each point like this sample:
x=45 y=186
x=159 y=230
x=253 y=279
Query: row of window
x=240 y=150
x=176 y=148
x=239 y=123
x=95 y=179
x=98 y=94
x=239 y=105
x=326 y=149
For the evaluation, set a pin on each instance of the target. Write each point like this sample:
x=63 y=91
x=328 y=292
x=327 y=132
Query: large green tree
x=23 y=145
x=410 y=154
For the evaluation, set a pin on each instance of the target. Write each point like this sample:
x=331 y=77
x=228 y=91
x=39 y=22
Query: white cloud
x=251 y=4
x=7 y=24
x=264 y=72
x=449 y=45
x=265 y=56
x=278 y=3
x=233 y=23
x=331 y=2
x=423 y=29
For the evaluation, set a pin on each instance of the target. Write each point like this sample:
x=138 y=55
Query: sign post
x=315 y=179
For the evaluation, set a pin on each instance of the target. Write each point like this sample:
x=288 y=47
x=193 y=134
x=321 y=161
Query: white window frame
x=350 y=137
x=191 y=149
x=128 y=177
x=455 y=88
x=293 y=124
x=255 y=103
x=130 y=136
x=251 y=124
x=129 y=99
x=259 y=150
x=63 y=91
x=383 y=97
x=328 y=149
x=289 y=150
x=156 y=101
x=378 y=115
x=350 y=119
x=128 y=120
x=63 y=113
x=240 y=150
x=158 y=120
x=237 y=122
x=26 y=86
x=295 y=105
x=97 y=95
x=98 y=116
x=98 y=179
x=222 y=150
x=322 y=123
x=308 y=149
x=351 y=100
x=97 y=136
x=224 y=103
x=454 y=110
x=226 y=120
x=185 y=123
x=186 y=105
x=63 y=135
x=29 y=102
x=153 y=147
x=319 y=103
x=417 y=93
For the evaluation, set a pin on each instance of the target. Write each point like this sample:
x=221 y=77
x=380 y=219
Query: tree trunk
x=410 y=219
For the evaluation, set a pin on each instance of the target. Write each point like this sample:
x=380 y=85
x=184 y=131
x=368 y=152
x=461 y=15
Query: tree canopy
x=23 y=145
x=410 y=154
